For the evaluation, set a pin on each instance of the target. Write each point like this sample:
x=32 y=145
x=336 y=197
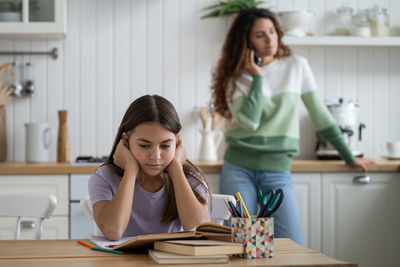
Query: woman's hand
x=180 y=155
x=361 y=163
x=123 y=157
x=250 y=66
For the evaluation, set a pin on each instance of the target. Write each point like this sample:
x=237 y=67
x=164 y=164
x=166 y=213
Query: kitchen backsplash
x=116 y=51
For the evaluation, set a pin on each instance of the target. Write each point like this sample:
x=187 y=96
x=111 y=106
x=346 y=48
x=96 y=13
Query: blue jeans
x=287 y=222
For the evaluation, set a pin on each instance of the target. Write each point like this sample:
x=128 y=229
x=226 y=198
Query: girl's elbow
x=112 y=232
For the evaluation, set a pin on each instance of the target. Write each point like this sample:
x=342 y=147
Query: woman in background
x=262 y=100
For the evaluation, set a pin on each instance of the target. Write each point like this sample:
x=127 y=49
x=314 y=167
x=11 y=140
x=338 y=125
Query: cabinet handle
x=362 y=179
x=28 y=224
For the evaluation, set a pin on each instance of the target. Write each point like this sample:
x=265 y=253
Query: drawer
x=56 y=185
x=54 y=228
x=79 y=186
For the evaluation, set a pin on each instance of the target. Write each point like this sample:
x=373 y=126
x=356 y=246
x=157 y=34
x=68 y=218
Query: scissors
x=271 y=201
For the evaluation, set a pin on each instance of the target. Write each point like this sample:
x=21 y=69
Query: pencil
x=85 y=244
x=227 y=206
x=246 y=213
x=107 y=250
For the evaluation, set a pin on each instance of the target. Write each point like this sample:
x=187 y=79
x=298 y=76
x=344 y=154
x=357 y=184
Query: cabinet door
x=57 y=185
x=308 y=194
x=33 y=17
x=360 y=221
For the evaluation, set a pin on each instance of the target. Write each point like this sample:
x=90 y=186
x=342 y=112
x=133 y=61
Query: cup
x=257 y=234
x=38 y=140
x=392 y=149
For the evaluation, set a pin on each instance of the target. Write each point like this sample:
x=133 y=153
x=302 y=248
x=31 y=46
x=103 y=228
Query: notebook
x=161 y=257
x=199 y=247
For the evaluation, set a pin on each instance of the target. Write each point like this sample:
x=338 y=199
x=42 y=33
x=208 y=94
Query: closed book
x=162 y=257
x=199 y=247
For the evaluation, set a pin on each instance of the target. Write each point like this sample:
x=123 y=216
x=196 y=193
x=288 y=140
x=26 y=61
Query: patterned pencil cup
x=257 y=234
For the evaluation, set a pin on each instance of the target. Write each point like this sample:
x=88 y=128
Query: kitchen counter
x=210 y=167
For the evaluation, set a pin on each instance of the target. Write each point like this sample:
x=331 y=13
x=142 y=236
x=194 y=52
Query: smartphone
x=257 y=59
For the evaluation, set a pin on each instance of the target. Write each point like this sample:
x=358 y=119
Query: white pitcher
x=209 y=144
x=38 y=140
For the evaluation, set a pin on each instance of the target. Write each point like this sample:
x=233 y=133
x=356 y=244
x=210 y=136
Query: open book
x=207 y=230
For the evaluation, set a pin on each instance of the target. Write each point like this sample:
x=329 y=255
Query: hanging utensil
x=205 y=115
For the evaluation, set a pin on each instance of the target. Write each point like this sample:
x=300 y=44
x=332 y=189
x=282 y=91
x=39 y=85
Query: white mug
x=38 y=140
x=392 y=149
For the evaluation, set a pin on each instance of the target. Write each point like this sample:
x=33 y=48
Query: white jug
x=209 y=144
x=38 y=140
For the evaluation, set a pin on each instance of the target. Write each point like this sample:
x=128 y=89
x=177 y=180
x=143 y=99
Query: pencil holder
x=257 y=234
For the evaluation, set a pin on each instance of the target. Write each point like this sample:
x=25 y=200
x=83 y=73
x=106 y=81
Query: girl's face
x=153 y=146
x=264 y=37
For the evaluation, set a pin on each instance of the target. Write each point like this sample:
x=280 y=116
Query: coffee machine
x=346 y=114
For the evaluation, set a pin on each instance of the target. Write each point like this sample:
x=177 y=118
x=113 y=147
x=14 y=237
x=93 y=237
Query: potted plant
x=229 y=7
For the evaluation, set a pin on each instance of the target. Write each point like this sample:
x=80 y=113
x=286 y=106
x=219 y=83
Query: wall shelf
x=342 y=41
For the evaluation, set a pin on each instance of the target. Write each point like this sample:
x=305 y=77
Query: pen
x=107 y=250
x=246 y=213
x=234 y=211
x=85 y=244
x=239 y=206
x=227 y=206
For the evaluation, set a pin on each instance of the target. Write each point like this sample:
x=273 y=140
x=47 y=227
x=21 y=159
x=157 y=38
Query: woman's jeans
x=287 y=222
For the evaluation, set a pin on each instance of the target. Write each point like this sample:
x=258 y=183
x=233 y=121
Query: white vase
x=209 y=144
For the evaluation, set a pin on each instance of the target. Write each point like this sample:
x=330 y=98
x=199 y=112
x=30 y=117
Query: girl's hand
x=250 y=66
x=123 y=157
x=180 y=155
x=361 y=163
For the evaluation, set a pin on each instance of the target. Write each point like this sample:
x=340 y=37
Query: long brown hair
x=154 y=108
x=230 y=65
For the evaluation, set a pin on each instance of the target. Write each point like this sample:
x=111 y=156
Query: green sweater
x=265 y=132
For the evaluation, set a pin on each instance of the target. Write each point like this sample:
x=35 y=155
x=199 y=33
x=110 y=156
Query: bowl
x=294 y=23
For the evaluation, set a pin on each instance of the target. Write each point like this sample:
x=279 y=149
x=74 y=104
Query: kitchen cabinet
x=360 y=221
x=57 y=227
x=33 y=18
x=308 y=193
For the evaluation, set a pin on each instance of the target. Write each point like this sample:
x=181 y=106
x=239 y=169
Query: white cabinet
x=360 y=222
x=30 y=18
x=308 y=194
x=57 y=227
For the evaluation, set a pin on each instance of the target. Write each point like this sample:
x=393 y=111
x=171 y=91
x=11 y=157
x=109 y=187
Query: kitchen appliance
x=294 y=23
x=346 y=114
x=38 y=140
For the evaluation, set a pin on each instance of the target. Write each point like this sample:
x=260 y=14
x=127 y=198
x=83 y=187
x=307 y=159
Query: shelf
x=342 y=41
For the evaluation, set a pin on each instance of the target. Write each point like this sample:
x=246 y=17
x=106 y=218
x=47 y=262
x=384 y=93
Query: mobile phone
x=257 y=59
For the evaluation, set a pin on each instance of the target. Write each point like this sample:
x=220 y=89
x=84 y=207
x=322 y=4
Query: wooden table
x=61 y=253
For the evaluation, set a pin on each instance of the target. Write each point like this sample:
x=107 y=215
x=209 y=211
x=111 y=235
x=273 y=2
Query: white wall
x=116 y=51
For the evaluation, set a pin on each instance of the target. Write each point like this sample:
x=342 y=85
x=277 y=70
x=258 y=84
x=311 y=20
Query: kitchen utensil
x=38 y=140
x=63 y=142
x=205 y=115
x=294 y=23
x=216 y=120
x=209 y=144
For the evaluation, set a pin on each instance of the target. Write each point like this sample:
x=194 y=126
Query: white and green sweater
x=265 y=132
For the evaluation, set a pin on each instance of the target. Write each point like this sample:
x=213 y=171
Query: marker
x=107 y=250
x=85 y=244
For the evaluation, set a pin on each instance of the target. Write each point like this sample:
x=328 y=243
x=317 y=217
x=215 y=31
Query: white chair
x=218 y=214
x=41 y=207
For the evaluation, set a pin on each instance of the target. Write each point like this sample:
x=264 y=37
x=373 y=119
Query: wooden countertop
x=213 y=167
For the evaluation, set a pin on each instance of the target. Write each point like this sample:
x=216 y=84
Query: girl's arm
x=112 y=217
x=191 y=212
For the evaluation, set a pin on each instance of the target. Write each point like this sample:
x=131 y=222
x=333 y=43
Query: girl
x=147 y=184
x=263 y=100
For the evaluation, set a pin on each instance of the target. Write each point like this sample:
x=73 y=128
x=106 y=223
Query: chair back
x=219 y=212
x=37 y=206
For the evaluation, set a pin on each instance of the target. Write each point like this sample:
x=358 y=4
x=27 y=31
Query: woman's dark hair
x=230 y=65
x=154 y=108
